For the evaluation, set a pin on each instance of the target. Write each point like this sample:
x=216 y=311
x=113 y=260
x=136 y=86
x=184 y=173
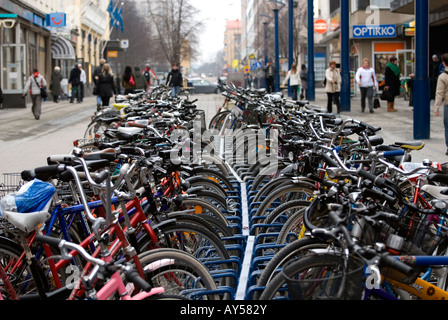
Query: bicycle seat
x=410 y=145
x=27 y=222
x=438 y=177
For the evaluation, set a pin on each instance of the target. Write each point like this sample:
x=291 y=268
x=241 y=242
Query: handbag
x=387 y=95
x=43 y=90
x=376 y=103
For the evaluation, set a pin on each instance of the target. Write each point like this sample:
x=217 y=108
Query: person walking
x=96 y=73
x=150 y=76
x=174 y=80
x=106 y=85
x=366 y=79
x=140 y=81
x=82 y=83
x=128 y=80
x=75 y=80
x=55 y=85
x=294 y=81
x=392 y=82
x=333 y=87
x=441 y=95
x=269 y=74
x=303 y=81
x=33 y=85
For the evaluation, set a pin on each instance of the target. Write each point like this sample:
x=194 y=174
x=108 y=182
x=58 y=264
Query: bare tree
x=176 y=28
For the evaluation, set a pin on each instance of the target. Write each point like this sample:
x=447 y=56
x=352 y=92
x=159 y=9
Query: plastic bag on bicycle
x=31 y=197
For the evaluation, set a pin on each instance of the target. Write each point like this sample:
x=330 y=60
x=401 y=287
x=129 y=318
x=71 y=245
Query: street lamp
x=266 y=21
x=276 y=6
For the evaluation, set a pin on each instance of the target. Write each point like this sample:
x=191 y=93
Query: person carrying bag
x=35 y=86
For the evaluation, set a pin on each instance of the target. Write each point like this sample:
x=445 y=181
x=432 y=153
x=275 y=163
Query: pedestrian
x=434 y=74
x=303 y=81
x=150 y=76
x=333 y=87
x=442 y=96
x=392 y=82
x=174 y=80
x=82 y=83
x=294 y=81
x=96 y=73
x=106 y=85
x=75 y=80
x=128 y=80
x=140 y=81
x=269 y=75
x=55 y=86
x=33 y=86
x=366 y=79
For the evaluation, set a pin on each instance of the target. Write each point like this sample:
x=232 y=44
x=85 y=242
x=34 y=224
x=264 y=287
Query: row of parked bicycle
x=276 y=199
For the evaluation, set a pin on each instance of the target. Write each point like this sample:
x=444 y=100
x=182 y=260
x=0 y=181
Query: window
x=364 y=4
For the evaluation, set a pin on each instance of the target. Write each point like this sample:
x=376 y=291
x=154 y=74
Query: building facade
x=232 y=44
x=47 y=33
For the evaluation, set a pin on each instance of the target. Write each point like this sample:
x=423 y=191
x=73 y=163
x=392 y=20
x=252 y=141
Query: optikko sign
x=379 y=31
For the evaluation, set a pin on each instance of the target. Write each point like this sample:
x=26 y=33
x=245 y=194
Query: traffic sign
x=320 y=26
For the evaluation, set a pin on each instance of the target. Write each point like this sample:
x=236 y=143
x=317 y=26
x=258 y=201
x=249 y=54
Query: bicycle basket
x=12 y=182
x=324 y=281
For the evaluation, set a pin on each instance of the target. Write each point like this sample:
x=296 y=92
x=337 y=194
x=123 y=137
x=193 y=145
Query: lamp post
x=311 y=90
x=276 y=6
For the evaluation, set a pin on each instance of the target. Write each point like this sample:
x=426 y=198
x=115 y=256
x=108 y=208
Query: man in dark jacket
x=269 y=76
x=96 y=73
x=174 y=80
x=75 y=81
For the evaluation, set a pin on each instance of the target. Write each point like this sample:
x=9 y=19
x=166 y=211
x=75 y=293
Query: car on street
x=200 y=85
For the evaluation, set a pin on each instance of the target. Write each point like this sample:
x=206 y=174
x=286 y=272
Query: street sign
x=124 y=44
x=372 y=31
x=246 y=69
x=112 y=54
x=320 y=26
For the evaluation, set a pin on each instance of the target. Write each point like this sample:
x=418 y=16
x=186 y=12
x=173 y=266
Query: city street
x=25 y=142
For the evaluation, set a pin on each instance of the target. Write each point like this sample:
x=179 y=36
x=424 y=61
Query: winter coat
x=333 y=75
x=32 y=87
x=392 y=81
x=140 y=80
x=304 y=79
x=106 y=85
x=75 y=76
x=56 y=79
x=442 y=90
x=293 y=77
x=174 y=78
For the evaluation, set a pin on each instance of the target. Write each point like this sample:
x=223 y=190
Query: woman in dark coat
x=393 y=84
x=55 y=85
x=128 y=80
x=106 y=85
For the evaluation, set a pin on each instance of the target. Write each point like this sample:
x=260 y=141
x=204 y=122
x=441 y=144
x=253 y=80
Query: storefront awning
x=62 y=49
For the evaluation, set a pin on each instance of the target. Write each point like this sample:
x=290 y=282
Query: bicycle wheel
x=22 y=279
x=292 y=252
x=178 y=273
x=287 y=193
x=316 y=277
x=201 y=206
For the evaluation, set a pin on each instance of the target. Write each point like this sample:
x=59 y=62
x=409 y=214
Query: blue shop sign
x=372 y=31
x=56 y=19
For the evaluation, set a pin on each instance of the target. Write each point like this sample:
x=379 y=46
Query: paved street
x=25 y=142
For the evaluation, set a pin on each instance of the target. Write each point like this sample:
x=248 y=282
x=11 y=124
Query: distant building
x=232 y=42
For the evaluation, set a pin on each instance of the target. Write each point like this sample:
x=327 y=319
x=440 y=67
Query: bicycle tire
x=22 y=278
x=203 y=207
x=278 y=213
x=291 y=252
x=176 y=262
x=293 y=191
x=310 y=265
